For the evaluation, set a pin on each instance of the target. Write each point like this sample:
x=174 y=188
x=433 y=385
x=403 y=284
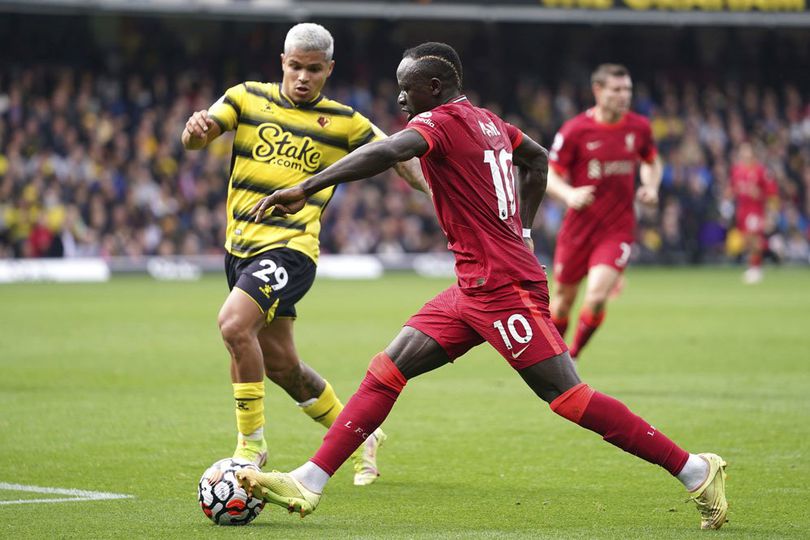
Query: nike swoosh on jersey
x=593 y=145
x=516 y=354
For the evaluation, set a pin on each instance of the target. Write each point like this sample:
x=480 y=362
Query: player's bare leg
x=551 y=378
x=563 y=296
x=312 y=392
x=410 y=354
x=617 y=289
x=415 y=353
x=240 y=321
x=556 y=381
x=282 y=364
x=601 y=281
x=754 y=243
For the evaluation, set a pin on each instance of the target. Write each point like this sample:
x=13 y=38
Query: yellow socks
x=249 y=406
x=325 y=408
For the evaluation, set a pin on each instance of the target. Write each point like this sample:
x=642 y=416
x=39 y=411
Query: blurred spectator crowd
x=91 y=165
x=698 y=131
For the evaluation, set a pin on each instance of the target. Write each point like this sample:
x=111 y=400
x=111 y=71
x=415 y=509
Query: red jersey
x=606 y=156
x=752 y=186
x=468 y=166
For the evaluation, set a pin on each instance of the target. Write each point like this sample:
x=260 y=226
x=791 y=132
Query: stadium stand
x=91 y=162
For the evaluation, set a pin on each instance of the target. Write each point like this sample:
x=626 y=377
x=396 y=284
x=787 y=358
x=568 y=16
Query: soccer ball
x=221 y=497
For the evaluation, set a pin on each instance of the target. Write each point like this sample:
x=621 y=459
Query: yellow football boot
x=280 y=489
x=365 y=459
x=710 y=496
x=253 y=451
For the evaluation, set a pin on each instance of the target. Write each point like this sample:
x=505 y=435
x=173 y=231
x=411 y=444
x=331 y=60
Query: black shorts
x=276 y=279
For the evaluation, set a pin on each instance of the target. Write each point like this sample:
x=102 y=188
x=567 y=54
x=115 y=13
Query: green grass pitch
x=123 y=387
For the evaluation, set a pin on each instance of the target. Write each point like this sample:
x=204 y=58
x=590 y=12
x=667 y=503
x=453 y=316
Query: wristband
x=527 y=233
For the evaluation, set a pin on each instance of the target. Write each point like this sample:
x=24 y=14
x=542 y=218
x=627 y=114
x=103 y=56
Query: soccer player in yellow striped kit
x=285 y=133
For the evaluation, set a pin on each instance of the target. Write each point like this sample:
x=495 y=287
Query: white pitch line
x=76 y=494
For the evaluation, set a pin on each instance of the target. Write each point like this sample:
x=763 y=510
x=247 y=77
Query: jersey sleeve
x=647 y=150
x=228 y=108
x=563 y=149
x=514 y=134
x=429 y=125
x=362 y=131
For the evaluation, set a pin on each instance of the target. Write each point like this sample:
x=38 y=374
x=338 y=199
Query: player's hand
x=529 y=244
x=580 y=197
x=282 y=202
x=198 y=125
x=647 y=195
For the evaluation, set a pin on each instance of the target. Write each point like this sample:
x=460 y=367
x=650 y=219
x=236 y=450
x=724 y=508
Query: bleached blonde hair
x=310 y=37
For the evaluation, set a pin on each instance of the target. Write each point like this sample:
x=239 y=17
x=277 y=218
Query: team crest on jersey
x=323 y=121
x=278 y=147
x=630 y=141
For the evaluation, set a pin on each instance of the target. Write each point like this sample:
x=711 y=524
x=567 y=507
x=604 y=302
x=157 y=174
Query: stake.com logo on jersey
x=424 y=118
x=276 y=146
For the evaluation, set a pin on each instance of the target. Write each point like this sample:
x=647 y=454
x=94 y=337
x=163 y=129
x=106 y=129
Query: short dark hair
x=437 y=60
x=603 y=71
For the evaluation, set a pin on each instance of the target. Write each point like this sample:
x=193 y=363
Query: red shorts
x=751 y=222
x=514 y=319
x=572 y=261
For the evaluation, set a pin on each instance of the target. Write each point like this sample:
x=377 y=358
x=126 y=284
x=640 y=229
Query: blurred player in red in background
x=592 y=169
x=754 y=191
x=501 y=294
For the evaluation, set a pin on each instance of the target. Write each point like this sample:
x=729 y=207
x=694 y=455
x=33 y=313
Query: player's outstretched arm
x=364 y=162
x=532 y=162
x=200 y=129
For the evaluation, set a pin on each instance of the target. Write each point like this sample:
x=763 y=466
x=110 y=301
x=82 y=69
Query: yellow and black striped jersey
x=279 y=144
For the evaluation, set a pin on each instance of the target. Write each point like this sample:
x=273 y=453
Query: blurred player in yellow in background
x=285 y=133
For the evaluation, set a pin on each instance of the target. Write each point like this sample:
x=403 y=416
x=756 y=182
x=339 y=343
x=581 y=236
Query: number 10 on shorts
x=518 y=327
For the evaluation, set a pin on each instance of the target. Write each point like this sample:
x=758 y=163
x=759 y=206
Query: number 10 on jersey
x=502 y=177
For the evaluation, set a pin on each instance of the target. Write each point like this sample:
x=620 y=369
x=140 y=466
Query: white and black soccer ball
x=221 y=497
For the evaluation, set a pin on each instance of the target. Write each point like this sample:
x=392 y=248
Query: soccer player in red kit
x=592 y=170
x=501 y=295
x=753 y=190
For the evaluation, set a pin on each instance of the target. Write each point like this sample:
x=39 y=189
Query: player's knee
x=558 y=306
x=560 y=310
x=572 y=403
x=596 y=301
x=235 y=333
x=561 y=301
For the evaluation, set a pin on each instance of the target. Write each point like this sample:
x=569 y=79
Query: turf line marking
x=75 y=494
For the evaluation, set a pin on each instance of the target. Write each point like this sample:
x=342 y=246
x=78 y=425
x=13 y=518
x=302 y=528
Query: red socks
x=587 y=325
x=364 y=413
x=561 y=324
x=368 y=408
x=618 y=426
